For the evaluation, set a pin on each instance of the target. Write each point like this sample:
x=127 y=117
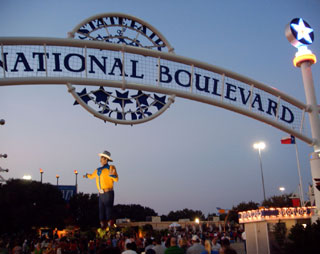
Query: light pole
x=76 y=173
x=300 y=34
x=41 y=173
x=260 y=146
x=57 y=176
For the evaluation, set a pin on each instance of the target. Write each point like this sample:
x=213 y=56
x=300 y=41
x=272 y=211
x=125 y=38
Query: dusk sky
x=194 y=155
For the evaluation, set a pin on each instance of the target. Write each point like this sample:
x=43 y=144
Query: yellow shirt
x=104 y=181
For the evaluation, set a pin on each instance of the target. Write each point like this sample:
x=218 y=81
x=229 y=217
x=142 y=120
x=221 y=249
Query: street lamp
x=260 y=146
x=282 y=189
x=197 y=220
x=41 y=173
x=57 y=176
x=3 y=156
x=76 y=173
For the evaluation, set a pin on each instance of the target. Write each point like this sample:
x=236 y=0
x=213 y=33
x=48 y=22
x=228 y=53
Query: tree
x=84 y=209
x=26 y=204
x=280 y=231
x=185 y=214
x=243 y=206
x=278 y=201
x=133 y=212
x=303 y=239
x=211 y=215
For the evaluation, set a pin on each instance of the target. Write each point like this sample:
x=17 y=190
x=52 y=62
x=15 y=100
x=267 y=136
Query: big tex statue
x=105 y=176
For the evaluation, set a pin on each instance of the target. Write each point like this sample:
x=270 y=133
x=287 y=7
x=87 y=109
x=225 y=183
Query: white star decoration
x=303 y=32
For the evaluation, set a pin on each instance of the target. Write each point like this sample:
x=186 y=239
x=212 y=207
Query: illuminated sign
x=299 y=33
x=268 y=214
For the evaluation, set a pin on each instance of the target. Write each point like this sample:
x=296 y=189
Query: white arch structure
x=81 y=62
x=120 y=51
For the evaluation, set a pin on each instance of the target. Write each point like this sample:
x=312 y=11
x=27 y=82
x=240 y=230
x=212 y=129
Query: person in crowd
x=150 y=251
x=183 y=244
x=244 y=239
x=149 y=244
x=130 y=248
x=3 y=249
x=159 y=248
x=73 y=249
x=225 y=247
x=17 y=249
x=49 y=249
x=196 y=247
x=215 y=245
x=208 y=248
x=105 y=176
x=173 y=249
x=37 y=249
x=25 y=247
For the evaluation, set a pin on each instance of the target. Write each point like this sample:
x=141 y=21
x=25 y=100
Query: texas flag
x=221 y=211
x=288 y=140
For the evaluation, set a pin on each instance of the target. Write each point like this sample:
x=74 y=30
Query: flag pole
x=300 y=179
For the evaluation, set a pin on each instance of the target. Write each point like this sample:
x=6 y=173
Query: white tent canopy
x=174 y=225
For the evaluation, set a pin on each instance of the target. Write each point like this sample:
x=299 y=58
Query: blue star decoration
x=143 y=112
x=105 y=109
x=133 y=115
x=102 y=95
x=84 y=96
x=302 y=31
x=142 y=98
x=122 y=99
x=159 y=101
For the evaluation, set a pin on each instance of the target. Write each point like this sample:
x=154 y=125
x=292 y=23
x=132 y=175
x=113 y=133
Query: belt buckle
x=101 y=191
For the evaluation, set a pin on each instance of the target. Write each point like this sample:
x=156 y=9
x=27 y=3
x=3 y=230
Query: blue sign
x=67 y=191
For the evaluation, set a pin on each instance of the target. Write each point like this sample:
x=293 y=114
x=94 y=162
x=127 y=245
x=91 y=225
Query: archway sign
x=127 y=73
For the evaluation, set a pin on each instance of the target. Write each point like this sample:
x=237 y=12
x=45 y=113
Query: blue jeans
x=105 y=205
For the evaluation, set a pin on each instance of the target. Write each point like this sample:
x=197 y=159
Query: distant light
x=27 y=177
x=57 y=176
x=197 y=220
x=304 y=225
x=41 y=170
x=282 y=188
x=259 y=145
x=76 y=172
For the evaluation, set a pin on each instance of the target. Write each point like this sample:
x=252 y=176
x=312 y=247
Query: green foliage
x=278 y=201
x=26 y=204
x=280 y=232
x=185 y=214
x=211 y=215
x=303 y=240
x=84 y=209
x=133 y=212
x=243 y=206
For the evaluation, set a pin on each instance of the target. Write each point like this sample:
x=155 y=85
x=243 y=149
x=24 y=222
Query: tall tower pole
x=300 y=35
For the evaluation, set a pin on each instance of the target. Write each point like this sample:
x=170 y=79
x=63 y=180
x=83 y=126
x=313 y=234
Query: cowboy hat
x=106 y=154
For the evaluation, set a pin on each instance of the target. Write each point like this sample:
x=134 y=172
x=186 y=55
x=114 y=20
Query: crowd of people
x=172 y=243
